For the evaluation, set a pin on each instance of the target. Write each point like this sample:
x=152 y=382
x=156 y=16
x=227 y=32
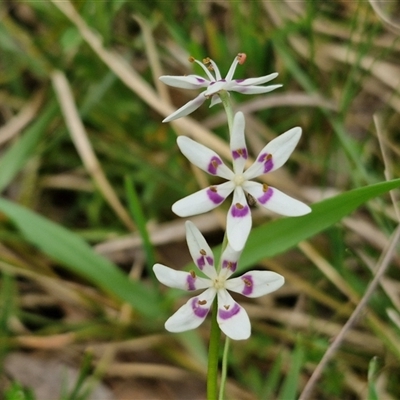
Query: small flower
x=215 y=84
x=271 y=157
x=232 y=318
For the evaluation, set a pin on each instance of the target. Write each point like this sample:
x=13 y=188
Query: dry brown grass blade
x=84 y=148
x=22 y=119
x=332 y=349
x=137 y=84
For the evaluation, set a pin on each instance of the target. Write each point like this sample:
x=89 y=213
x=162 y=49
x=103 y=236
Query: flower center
x=238 y=179
x=219 y=282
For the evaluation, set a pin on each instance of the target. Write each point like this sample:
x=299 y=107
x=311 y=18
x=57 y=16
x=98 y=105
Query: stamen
x=191 y=59
x=202 y=302
x=229 y=265
x=192 y=274
x=203 y=252
x=247 y=282
x=239 y=206
x=214 y=164
x=267 y=157
x=213 y=189
x=241 y=58
x=265 y=187
x=226 y=307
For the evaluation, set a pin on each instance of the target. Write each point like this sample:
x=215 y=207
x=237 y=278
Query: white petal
x=232 y=318
x=238 y=224
x=274 y=200
x=253 y=89
x=204 y=200
x=191 y=314
x=238 y=144
x=188 y=108
x=274 y=154
x=204 y=158
x=256 y=81
x=215 y=100
x=179 y=279
x=215 y=87
x=185 y=82
x=255 y=283
x=229 y=261
x=199 y=249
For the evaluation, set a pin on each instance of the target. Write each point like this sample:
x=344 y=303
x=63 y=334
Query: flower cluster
x=232 y=318
x=215 y=84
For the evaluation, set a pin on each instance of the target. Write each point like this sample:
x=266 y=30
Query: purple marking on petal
x=213 y=195
x=212 y=83
x=200 y=80
x=266 y=196
x=197 y=308
x=266 y=159
x=239 y=153
x=239 y=211
x=213 y=165
x=229 y=313
x=230 y=265
x=239 y=80
x=248 y=285
x=200 y=262
x=190 y=280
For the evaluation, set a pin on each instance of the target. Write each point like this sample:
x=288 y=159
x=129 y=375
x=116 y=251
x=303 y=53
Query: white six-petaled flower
x=215 y=84
x=232 y=318
x=271 y=157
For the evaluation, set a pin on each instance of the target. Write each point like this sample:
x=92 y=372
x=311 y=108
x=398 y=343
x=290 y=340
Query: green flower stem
x=224 y=369
x=213 y=355
x=226 y=101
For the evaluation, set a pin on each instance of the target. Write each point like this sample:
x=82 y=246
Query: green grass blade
x=137 y=213
x=76 y=255
x=291 y=383
x=372 y=374
x=280 y=235
x=15 y=158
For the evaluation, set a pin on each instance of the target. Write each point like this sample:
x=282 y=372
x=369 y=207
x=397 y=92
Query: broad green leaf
x=75 y=254
x=278 y=236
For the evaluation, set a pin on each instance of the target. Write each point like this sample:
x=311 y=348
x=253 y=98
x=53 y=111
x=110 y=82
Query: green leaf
x=278 y=236
x=75 y=254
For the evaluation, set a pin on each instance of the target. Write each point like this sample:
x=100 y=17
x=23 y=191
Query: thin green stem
x=226 y=101
x=224 y=369
x=213 y=356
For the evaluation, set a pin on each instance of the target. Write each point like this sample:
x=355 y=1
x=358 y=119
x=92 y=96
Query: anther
x=214 y=163
x=191 y=59
x=247 y=282
x=239 y=206
x=192 y=274
x=226 y=307
x=213 y=189
x=203 y=252
x=241 y=58
x=265 y=187
x=202 y=302
x=267 y=157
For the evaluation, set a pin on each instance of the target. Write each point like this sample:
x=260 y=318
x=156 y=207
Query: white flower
x=271 y=157
x=215 y=84
x=232 y=318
